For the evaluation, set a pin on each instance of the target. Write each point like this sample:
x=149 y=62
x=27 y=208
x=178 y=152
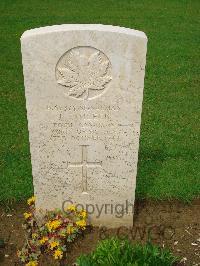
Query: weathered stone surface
x=84 y=89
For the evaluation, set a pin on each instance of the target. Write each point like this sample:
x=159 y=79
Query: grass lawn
x=169 y=146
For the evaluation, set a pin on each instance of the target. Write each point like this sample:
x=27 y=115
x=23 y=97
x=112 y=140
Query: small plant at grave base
x=52 y=237
x=115 y=252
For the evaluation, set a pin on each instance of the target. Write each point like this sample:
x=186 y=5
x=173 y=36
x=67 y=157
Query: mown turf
x=169 y=146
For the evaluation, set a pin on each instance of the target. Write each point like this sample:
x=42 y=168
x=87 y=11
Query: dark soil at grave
x=172 y=224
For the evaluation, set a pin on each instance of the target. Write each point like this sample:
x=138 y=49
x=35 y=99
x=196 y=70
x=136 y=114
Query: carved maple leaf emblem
x=81 y=74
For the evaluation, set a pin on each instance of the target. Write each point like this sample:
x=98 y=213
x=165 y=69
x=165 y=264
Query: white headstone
x=84 y=89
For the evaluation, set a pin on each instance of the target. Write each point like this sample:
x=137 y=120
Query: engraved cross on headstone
x=84 y=164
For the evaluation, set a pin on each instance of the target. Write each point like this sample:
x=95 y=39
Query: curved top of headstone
x=83 y=27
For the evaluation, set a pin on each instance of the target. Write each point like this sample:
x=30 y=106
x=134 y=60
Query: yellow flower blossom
x=81 y=223
x=54 y=244
x=31 y=200
x=70 y=230
x=71 y=208
x=83 y=214
x=58 y=254
x=27 y=215
x=34 y=235
x=32 y=263
x=52 y=225
x=43 y=240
